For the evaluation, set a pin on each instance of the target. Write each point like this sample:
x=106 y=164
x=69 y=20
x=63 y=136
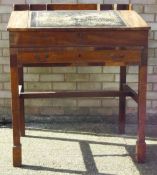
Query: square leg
x=17 y=154
x=122 y=101
x=142 y=88
x=22 y=117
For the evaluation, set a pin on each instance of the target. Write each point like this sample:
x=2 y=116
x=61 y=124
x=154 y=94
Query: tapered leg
x=22 y=117
x=140 y=144
x=142 y=87
x=15 y=109
x=122 y=100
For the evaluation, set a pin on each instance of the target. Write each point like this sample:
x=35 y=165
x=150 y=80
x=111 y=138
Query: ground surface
x=78 y=148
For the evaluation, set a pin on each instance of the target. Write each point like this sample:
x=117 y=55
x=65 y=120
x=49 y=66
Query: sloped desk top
x=35 y=20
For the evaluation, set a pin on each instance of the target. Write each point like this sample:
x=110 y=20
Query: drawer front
x=79 y=56
x=43 y=39
x=82 y=38
x=115 y=38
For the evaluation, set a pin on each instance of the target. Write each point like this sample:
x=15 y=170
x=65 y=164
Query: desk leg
x=22 y=118
x=142 y=87
x=122 y=101
x=15 y=110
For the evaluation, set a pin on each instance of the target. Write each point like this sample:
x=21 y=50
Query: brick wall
x=78 y=78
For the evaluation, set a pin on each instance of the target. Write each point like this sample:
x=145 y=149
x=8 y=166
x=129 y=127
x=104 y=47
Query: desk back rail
x=34 y=7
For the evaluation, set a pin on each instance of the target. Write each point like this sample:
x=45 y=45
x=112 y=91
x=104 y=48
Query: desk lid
x=36 y=20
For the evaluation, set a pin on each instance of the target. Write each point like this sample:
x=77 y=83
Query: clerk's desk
x=78 y=38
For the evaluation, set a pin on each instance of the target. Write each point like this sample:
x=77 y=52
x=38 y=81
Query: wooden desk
x=92 y=38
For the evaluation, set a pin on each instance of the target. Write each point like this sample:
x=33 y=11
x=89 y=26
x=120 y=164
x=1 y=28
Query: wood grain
x=78 y=38
x=71 y=6
x=80 y=56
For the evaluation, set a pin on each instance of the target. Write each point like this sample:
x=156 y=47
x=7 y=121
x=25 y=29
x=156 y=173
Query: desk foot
x=17 y=156
x=140 y=152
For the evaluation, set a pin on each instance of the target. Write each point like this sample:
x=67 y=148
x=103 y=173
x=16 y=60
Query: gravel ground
x=78 y=148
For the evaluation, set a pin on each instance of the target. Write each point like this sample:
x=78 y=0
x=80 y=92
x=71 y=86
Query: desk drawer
x=79 y=56
x=78 y=38
x=44 y=39
x=115 y=38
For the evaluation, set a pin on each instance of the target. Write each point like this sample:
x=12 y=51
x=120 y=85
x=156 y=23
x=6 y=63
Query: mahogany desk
x=72 y=38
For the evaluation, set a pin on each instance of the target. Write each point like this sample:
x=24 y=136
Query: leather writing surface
x=46 y=19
